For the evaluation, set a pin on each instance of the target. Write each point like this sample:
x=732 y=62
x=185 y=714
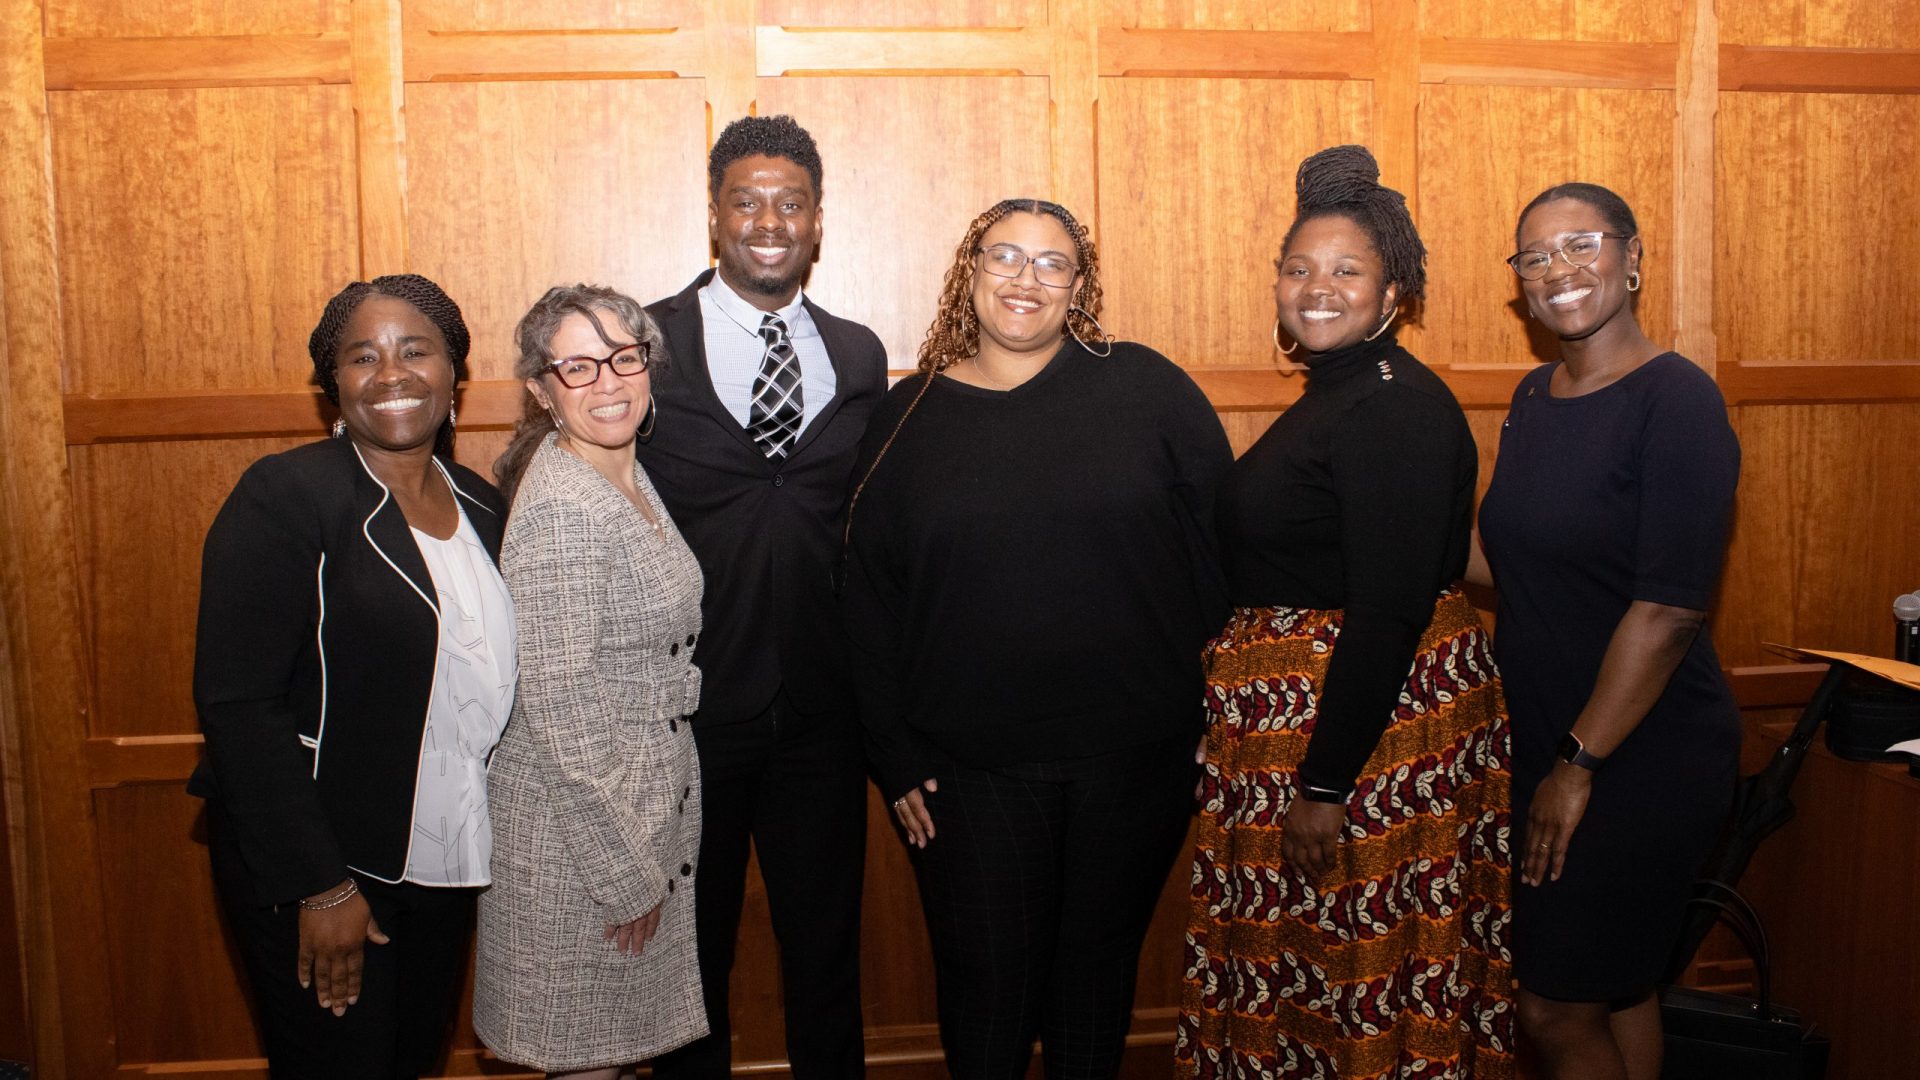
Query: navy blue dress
x=1597 y=501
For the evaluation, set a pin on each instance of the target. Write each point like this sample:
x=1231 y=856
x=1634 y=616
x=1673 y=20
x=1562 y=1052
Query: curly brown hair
x=955 y=333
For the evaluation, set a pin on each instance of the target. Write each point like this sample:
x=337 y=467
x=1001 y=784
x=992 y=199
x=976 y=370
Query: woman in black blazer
x=354 y=666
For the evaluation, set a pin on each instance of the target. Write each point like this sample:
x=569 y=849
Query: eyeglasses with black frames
x=1578 y=250
x=583 y=371
x=1007 y=261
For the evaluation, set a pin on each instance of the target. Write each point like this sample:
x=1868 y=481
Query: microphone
x=1906 y=628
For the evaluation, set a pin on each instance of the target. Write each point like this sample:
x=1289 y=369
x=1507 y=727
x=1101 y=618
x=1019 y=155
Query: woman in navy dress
x=1605 y=528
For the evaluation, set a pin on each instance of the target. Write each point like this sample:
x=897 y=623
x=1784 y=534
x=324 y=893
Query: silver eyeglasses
x=1005 y=260
x=1579 y=250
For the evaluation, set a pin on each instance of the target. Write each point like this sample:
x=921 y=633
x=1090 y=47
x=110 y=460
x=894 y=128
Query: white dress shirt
x=735 y=349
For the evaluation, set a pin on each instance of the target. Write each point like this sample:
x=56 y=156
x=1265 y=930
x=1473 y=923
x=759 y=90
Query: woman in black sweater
x=1350 y=883
x=1030 y=579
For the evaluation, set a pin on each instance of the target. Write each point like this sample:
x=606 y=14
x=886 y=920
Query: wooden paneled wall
x=183 y=183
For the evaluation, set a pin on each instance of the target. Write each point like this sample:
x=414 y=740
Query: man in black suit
x=760 y=412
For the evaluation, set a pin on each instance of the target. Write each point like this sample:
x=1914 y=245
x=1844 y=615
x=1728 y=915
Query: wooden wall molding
x=1233 y=54
x=146 y=759
x=466 y=56
x=1548 y=63
x=1838 y=71
x=380 y=136
x=495 y=403
x=166 y=62
x=1696 y=76
x=69 y=997
x=1125 y=52
x=1026 y=50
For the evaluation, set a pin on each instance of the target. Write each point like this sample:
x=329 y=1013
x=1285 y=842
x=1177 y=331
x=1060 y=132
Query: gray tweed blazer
x=595 y=788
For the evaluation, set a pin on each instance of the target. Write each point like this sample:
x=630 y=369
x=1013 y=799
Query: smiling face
x=1574 y=302
x=1331 y=292
x=764 y=223
x=608 y=411
x=1019 y=315
x=395 y=375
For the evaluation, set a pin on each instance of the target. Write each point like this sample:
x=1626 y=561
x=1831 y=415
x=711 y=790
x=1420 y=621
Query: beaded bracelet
x=334 y=901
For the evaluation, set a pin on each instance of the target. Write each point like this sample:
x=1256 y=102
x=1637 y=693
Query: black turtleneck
x=1360 y=496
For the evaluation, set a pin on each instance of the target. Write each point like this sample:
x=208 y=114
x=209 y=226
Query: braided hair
x=426 y=297
x=955 y=333
x=534 y=337
x=768 y=136
x=1612 y=208
x=1344 y=181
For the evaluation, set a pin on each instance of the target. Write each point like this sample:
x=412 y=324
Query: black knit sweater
x=1032 y=573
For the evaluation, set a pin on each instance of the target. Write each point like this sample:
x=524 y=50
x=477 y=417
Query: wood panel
x=1817 y=227
x=917 y=13
x=244 y=223
x=1196 y=187
x=62 y=924
x=1836 y=888
x=1827 y=530
x=16 y=1041
x=142 y=570
x=495 y=15
x=515 y=187
x=168 y=939
x=218 y=167
x=1560 y=20
x=1485 y=152
x=169 y=18
x=1874 y=24
x=1297 y=15
x=889 y=234
x=149 y=63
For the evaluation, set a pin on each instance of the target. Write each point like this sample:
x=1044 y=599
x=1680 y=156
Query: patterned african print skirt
x=1395 y=964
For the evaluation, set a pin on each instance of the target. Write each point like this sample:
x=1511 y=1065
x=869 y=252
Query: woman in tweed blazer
x=586 y=956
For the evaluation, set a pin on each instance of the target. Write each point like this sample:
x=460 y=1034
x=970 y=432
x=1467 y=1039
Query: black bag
x=1713 y=1036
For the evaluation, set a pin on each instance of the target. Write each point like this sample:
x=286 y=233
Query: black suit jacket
x=313 y=668
x=767 y=534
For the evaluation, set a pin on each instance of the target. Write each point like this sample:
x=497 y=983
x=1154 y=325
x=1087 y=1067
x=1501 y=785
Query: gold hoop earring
x=1386 y=322
x=1633 y=281
x=1105 y=338
x=645 y=430
x=1276 y=341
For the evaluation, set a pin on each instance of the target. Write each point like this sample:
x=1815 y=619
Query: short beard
x=768 y=285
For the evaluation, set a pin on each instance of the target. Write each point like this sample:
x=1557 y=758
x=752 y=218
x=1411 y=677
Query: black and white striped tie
x=774 y=417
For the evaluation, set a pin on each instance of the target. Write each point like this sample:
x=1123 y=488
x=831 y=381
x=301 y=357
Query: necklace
x=990 y=380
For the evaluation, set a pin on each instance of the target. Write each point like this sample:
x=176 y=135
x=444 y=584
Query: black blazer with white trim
x=314 y=666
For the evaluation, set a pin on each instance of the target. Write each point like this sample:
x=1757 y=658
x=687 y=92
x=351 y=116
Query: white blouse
x=473 y=682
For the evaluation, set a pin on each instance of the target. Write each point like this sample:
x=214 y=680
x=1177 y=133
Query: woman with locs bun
x=1605 y=527
x=1350 y=880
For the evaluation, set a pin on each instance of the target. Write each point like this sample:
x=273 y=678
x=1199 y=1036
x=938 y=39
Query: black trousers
x=409 y=987
x=1038 y=887
x=796 y=791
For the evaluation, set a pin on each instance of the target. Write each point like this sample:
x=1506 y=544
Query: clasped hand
x=1311 y=835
